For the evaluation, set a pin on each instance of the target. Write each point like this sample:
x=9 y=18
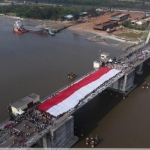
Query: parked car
x=8 y=125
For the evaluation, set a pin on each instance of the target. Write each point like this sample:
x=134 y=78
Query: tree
x=36 y=1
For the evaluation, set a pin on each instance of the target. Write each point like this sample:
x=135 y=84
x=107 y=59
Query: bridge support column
x=140 y=71
x=62 y=133
x=44 y=141
x=39 y=143
x=125 y=84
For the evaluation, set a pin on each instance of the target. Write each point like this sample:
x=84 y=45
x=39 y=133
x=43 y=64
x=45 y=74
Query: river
x=34 y=63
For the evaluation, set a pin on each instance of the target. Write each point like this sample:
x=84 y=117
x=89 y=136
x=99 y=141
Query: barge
x=19 y=28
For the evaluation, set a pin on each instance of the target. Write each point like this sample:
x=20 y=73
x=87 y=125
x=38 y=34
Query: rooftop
x=116 y=14
x=33 y=95
x=121 y=15
x=107 y=23
x=83 y=13
x=22 y=102
x=142 y=20
x=69 y=16
x=105 y=53
x=25 y=100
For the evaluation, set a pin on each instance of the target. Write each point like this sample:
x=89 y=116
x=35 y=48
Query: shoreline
x=100 y=34
x=73 y=28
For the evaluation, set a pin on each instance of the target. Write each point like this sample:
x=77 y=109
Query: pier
x=54 y=129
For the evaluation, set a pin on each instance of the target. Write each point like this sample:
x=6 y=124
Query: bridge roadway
x=126 y=63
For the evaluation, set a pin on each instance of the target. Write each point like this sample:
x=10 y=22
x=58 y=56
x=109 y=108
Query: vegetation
x=102 y=3
x=38 y=11
x=42 y=12
x=130 y=35
x=11 y=14
x=142 y=35
x=141 y=4
x=127 y=24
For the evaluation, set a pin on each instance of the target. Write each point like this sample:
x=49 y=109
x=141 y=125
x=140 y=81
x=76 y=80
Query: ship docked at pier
x=19 y=28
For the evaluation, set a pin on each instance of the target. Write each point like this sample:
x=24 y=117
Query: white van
x=105 y=56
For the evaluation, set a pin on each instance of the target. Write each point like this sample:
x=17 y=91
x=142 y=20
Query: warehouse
x=119 y=17
x=142 y=22
x=104 y=26
x=68 y=17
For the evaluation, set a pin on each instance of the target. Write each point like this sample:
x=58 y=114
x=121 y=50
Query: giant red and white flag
x=70 y=97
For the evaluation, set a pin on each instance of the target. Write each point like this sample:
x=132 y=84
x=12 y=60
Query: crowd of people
x=128 y=61
x=32 y=121
x=145 y=85
x=92 y=141
x=123 y=64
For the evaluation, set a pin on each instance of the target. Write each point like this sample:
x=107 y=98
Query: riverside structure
x=53 y=127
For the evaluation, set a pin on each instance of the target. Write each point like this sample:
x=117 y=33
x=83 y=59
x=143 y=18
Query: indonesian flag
x=70 y=97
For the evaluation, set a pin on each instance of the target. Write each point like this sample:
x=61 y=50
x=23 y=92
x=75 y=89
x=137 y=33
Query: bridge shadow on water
x=88 y=116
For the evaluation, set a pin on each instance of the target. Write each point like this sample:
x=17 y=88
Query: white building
x=141 y=22
x=18 y=107
x=68 y=17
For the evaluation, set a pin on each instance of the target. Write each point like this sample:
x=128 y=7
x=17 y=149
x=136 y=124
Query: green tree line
x=101 y=3
x=42 y=12
x=128 y=24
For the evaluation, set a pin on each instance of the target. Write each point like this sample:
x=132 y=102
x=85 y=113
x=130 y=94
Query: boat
x=71 y=75
x=37 y=30
x=18 y=27
x=17 y=30
x=51 y=32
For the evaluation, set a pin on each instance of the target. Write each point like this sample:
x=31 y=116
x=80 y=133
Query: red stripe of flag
x=70 y=90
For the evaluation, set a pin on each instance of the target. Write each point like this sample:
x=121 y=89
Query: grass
x=131 y=35
x=11 y=14
x=143 y=35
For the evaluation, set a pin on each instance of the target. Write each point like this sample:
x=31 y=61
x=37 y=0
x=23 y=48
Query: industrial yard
x=104 y=26
x=109 y=24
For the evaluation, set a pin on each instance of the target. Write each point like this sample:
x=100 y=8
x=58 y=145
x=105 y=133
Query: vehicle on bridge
x=8 y=125
x=104 y=58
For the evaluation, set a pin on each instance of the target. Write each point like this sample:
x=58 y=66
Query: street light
x=99 y=52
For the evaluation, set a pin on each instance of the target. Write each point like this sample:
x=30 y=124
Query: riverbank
x=81 y=29
x=71 y=25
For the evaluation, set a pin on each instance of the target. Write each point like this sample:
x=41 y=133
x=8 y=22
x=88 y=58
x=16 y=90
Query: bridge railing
x=130 y=50
x=60 y=119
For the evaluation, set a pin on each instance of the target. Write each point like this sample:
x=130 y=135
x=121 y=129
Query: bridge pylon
x=125 y=84
x=60 y=135
x=140 y=70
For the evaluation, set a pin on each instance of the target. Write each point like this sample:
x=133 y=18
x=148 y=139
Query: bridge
x=50 y=124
